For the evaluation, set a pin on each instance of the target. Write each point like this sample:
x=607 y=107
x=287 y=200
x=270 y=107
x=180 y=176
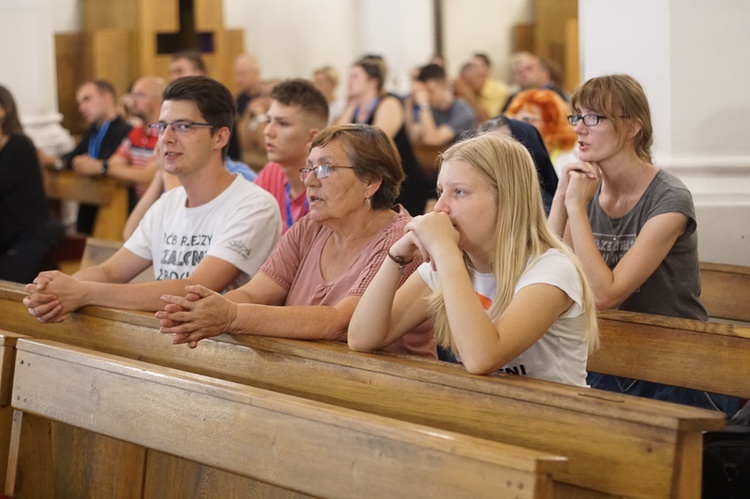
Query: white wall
x=483 y=26
x=711 y=50
x=337 y=32
x=67 y=16
x=636 y=41
x=27 y=69
x=293 y=37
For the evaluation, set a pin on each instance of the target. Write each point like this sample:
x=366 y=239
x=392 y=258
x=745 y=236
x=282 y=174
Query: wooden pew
x=616 y=445
x=98 y=251
x=104 y=192
x=293 y=443
x=725 y=291
x=681 y=352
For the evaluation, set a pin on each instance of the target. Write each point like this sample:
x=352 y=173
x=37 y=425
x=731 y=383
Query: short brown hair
x=618 y=96
x=374 y=67
x=302 y=93
x=373 y=155
x=214 y=101
x=102 y=86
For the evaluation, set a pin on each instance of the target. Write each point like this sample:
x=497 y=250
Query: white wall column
x=689 y=57
x=27 y=59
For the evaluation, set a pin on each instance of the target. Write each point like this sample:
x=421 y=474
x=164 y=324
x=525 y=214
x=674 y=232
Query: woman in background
x=368 y=103
x=326 y=80
x=27 y=233
x=548 y=113
x=529 y=137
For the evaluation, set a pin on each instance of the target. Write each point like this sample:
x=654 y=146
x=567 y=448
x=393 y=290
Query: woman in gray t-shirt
x=631 y=224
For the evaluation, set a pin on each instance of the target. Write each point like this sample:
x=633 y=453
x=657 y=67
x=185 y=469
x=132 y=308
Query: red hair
x=555 y=130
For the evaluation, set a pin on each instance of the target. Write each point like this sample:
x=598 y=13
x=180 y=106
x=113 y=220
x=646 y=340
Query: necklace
x=626 y=207
x=615 y=244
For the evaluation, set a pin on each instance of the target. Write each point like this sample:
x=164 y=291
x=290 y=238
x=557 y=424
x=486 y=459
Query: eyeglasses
x=588 y=119
x=320 y=171
x=179 y=126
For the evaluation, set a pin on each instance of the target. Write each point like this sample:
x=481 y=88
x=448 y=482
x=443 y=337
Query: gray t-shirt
x=459 y=116
x=674 y=287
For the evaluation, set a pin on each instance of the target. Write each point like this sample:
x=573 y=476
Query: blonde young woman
x=503 y=291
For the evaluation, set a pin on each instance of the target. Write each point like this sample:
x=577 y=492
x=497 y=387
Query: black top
x=23 y=204
x=416 y=188
x=529 y=136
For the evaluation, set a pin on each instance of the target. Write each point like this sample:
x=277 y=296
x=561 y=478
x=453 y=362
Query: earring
x=368 y=203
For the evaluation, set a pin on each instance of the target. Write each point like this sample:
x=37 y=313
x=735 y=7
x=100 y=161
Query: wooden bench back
x=725 y=291
x=608 y=438
x=294 y=443
x=680 y=352
x=104 y=192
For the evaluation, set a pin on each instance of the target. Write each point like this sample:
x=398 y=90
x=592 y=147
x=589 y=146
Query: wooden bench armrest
x=725 y=291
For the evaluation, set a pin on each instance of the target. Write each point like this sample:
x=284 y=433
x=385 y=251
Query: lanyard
x=287 y=198
x=95 y=143
x=370 y=108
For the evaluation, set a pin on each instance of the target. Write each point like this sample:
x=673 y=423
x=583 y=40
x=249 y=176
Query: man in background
x=96 y=103
x=477 y=87
x=434 y=116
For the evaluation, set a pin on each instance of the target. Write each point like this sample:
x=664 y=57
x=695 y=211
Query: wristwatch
x=104 y=169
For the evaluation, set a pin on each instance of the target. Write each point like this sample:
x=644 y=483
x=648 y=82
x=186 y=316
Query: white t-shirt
x=241 y=226
x=561 y=353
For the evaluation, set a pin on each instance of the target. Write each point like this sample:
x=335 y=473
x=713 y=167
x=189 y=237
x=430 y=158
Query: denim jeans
x=696 y=398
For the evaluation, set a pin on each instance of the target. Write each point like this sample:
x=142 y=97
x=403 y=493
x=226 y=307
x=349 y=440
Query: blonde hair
x=329 y=73
x=522 y=232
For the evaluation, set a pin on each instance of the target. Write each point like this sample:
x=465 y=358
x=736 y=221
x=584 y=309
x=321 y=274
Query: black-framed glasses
x=588 y=119
x=178 y=126
x=320 y=171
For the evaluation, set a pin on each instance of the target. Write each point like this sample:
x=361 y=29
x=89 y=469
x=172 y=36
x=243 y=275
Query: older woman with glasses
x=313 y=280
x=631 y=224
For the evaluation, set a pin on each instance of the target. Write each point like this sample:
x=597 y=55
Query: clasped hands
x=578 y=183
x=52 y=295
x=427 y=236
x=200 y=314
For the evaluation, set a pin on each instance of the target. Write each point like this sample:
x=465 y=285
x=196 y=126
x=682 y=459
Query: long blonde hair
x=522 y=232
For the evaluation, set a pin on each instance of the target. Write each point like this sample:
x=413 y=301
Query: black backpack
x=726 y=459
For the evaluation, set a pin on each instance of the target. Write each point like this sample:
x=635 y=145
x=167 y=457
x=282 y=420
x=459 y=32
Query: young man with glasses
x=215 y=230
